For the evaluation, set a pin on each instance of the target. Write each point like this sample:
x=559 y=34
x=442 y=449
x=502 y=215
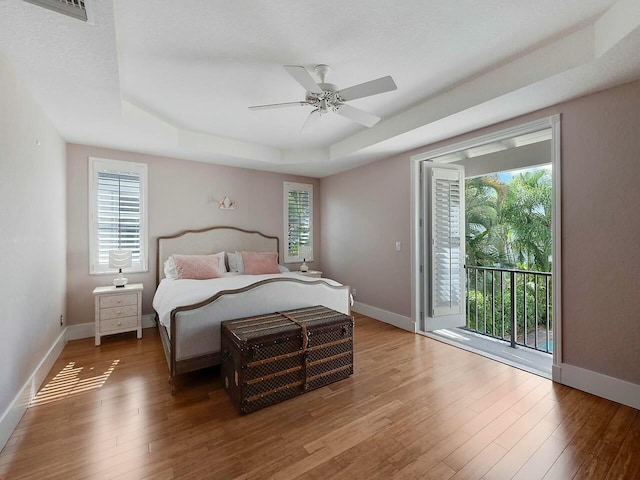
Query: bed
x=189 y=312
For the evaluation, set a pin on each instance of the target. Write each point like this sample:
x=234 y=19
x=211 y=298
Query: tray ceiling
x=161 y=78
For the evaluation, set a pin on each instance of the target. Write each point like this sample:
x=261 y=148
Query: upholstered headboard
x=212 y=240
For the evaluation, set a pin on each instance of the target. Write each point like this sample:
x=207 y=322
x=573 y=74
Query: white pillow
x=170 y=266
x=283 y=269
x=170 y=269
x=235 y=262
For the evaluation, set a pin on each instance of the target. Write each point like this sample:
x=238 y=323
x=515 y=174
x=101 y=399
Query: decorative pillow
x=257 y=263
x=198 y=267
x=170 y=269
x=235 y=262
x=170 y=266
x=283 y=269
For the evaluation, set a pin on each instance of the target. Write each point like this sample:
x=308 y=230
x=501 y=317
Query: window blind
x=447 y=258
x=298 y=215
x=119 y=214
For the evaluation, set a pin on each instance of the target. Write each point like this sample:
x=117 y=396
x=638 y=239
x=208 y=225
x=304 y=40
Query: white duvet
x=198 y=330
x=177 y=293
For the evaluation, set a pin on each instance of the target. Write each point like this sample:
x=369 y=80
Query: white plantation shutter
x=117 y=192
x=298 y=218
x=442 y=236
x=119 y=215
x=447 y=220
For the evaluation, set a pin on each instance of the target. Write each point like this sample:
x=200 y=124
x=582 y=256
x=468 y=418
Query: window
x=298 y=222
x=117 y=213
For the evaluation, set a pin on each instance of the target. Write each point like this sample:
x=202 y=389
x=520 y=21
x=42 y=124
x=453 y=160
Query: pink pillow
x=197 y=267
x=256 y=263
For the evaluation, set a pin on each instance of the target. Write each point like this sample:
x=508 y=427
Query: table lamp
x=119 y=259
x=305 y=252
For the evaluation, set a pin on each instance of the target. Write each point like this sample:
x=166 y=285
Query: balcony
x=509 y=317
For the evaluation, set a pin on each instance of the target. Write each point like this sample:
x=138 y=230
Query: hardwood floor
x=415 y=408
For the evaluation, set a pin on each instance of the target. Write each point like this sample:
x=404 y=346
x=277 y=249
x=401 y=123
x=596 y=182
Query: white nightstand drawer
x=118 y=300
x=118 y=312
x=118 y=323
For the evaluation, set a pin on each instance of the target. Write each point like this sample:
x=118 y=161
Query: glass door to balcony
x=486 y=248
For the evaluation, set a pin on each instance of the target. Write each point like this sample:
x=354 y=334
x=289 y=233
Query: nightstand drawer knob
x=119 y=322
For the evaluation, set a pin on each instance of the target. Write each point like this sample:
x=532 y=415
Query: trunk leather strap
x=305 y=344
x=305 y=340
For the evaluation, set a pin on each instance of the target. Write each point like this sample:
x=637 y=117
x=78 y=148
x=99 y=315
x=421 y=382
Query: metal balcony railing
x=510 y=305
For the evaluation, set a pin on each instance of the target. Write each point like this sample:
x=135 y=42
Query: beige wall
x=601 y=232
x=182 y=195
x=32 y=235
x=364 y=212
x=366 y=209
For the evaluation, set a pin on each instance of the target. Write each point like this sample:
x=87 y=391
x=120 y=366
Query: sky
x=508 y=175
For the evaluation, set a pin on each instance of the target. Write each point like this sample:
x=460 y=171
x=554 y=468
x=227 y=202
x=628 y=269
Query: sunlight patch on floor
x=451 y=334
x=68 y=382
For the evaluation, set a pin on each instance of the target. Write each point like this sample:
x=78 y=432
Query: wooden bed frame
x=208 y=241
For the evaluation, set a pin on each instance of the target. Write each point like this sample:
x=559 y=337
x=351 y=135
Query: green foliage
x=508 y=224
x=483 y=198
x=527 y=208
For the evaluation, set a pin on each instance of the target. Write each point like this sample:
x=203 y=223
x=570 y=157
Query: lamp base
x=119 y=282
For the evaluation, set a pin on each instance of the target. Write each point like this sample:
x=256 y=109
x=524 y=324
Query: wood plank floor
x=415 y=408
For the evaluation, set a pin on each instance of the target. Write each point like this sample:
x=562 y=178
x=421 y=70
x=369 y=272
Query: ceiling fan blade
x=374 y=87
x=311 y=120
x=357 y=115
x=303 y=78
x=278 y=105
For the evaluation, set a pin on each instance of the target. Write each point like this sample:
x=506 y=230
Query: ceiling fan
x=325 y=97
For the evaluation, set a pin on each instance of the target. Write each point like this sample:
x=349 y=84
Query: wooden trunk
x=269 y=358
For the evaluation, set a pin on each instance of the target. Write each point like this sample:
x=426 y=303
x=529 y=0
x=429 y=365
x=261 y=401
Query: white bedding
x=176 y=293
x=198 y=330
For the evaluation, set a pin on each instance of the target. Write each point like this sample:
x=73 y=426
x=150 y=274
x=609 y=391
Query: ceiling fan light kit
x=324 y=97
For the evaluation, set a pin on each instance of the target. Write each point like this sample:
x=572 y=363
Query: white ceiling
x=176 y=78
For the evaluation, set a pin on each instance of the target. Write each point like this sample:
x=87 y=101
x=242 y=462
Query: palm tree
x=484 y=196
x=527 y=210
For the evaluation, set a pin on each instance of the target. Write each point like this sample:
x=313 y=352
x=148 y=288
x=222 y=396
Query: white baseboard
x=86 y=330
x=395 y=319
x=598 y=384
x=80 y=330
x=149 y=320
x=18 y=406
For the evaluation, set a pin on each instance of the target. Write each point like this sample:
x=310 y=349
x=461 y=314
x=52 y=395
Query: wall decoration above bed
x=227 y=204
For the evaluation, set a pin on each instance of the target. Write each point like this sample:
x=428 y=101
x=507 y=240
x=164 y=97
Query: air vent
x=72 y=8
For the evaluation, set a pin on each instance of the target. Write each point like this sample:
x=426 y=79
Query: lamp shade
x=119 y=259
x=306 y=252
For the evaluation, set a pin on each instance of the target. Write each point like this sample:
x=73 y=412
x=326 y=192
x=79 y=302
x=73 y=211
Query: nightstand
x=311 y=273
x=118 y=310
